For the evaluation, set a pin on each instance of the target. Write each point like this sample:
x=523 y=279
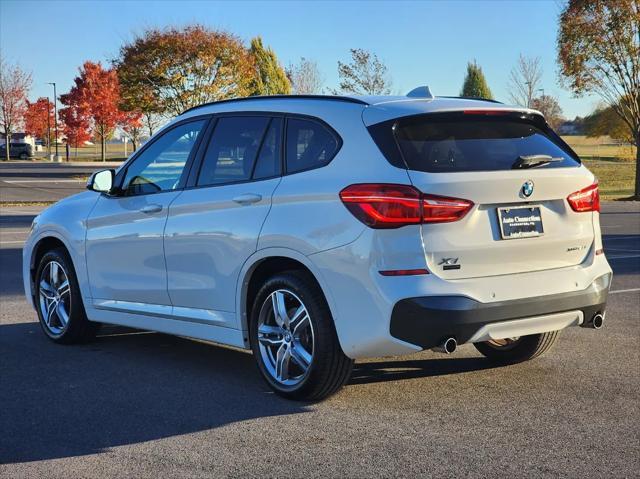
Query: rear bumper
x=427 y=321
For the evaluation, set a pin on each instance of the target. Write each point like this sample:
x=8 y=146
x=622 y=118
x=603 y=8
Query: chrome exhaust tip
x=448 y=346
x=597 y=321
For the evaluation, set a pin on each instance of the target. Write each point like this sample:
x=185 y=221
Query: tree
x=14 y=86
x=305 y=77
x=599 y=52
x=550 y=108
x=604 y=121
x=75 y=124
x=525 y=80
x=96 y=95
x=131 y=124
x=169 y=71
x=270 y=77
x=364 y=75
x=39 y=120
x=475 y=84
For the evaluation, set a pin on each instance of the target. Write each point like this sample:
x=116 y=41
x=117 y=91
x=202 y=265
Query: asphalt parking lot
x=138 y=404
x=40 y=181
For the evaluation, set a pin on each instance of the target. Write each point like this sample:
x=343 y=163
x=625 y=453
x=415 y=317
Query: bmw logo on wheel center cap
x=527 y=188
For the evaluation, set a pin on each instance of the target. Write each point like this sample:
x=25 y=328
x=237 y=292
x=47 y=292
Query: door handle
x=247 y=198
x=151 y=209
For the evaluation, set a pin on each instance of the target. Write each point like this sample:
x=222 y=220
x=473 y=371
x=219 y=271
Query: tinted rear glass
x=454 y=144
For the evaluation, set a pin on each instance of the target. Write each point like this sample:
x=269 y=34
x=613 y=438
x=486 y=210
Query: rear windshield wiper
x=531 y=161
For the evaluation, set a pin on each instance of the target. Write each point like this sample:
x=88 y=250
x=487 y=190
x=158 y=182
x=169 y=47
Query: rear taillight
x=393 y=206
x=587 y=199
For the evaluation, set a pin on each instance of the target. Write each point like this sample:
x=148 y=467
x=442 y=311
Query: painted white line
x=626 y=238
x=43 y=181
x=625 y=256
x=632 y=290
x=11 y=242
x=625 y=250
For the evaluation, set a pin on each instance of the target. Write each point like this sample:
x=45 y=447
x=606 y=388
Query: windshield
x=471 y=143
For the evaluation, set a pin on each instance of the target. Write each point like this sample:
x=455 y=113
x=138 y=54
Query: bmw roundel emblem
x=527 y=188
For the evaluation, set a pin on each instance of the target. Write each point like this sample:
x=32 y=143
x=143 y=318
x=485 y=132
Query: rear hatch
x=516 y=172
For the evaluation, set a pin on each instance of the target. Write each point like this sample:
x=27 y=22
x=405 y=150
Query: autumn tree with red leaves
x=39 y=120
x=76 y=124
x=95 y=96
x=132 y=125
x=14 y=86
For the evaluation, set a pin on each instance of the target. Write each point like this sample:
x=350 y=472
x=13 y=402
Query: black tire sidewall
x=528 y=347
x=321 y=320
x=77 y=316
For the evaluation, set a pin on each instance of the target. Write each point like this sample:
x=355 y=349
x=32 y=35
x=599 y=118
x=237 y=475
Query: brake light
x=587 y=199
x=487 y=112
x=392 y=206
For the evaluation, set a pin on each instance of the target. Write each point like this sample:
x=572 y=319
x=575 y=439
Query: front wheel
x=58 y=300
x=294 y=340
x=516 y=350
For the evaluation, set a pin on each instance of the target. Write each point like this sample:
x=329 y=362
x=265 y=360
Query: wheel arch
x=265 y=263
x=47 y=242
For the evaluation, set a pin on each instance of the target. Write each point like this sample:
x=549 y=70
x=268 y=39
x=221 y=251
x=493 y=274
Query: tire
x=520 y=349
x=310 y=338
x=54 y=301
x=23 y=156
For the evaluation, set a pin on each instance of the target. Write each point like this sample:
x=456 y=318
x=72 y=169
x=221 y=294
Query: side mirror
x=101 y=181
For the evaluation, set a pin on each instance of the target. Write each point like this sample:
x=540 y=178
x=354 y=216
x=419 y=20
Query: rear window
x=456 y=143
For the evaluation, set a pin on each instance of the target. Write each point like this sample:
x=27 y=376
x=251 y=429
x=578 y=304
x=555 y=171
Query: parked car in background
x=24 y=151
x=318 y=230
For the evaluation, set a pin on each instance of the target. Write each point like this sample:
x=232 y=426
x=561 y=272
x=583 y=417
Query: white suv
x=318 y=230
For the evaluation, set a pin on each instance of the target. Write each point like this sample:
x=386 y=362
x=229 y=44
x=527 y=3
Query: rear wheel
x=24 y=156
x=516 y=350
x=58 y=301
x=294 y=340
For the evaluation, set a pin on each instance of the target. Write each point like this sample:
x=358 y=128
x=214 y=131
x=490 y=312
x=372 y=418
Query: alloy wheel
x=285 y=338
x=55 y=297
x=504 y=344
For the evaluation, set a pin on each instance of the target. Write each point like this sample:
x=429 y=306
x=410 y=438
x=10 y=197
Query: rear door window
x=232 y=150
x=268 y=163
x=469 y=143
x=310 y=145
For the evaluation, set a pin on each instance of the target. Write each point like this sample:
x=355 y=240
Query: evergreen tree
x=475 y=84
x=271 y=78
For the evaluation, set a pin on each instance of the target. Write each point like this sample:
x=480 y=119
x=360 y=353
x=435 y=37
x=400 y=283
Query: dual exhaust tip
x=449 y=345
x=597 y=321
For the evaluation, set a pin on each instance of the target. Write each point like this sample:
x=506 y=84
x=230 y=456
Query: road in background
x=36 y=181
x=139 y=404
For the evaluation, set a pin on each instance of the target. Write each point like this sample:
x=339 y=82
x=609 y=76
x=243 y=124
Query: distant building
x=571 y=127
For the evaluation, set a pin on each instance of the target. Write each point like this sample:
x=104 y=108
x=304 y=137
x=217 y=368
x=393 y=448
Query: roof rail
x=473 y=98
x=347 y=99
x=421 y=92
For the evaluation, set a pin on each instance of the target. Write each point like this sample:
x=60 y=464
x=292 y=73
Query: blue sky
x=421 y=42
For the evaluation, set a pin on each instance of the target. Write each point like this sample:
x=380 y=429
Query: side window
x=232 y=150
x=268 y=162
x=160 y=166
x=309 y=145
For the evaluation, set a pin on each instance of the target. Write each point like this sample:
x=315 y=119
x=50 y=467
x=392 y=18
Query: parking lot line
x=632 y=290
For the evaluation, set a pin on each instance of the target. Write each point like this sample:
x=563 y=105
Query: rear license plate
x=520 y=222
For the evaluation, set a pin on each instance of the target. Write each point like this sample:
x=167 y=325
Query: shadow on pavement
x=126 y=387
x=375 y=372
x=11 y=272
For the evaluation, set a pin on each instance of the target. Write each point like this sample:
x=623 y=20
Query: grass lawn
x=613 y=164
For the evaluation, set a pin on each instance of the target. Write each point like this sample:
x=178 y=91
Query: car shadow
x=126 y=387
x=623 y=253
x=131 y=386
x=382 y=371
